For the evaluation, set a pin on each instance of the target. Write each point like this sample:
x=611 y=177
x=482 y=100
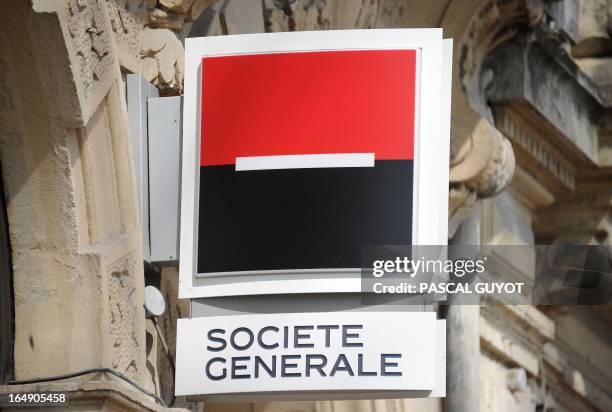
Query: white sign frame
x=431 y=152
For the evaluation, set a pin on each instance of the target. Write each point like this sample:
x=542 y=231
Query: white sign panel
x=274 y=201
x=353 y=352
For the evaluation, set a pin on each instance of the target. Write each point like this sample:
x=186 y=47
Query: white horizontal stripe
x=308 y=161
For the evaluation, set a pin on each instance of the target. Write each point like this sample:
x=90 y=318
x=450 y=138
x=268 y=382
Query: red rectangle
x=308 y=103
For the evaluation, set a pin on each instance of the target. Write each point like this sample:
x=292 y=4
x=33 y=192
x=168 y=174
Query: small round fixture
x=154 y=302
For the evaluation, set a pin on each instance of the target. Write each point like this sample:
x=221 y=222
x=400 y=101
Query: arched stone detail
x=482 y=159
x=496 y=22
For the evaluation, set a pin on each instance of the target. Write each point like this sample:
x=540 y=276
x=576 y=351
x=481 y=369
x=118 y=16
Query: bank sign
x=255 y=356
x=301 y=148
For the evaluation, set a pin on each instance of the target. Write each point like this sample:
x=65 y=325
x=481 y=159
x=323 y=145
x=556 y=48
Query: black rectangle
x=301 y=218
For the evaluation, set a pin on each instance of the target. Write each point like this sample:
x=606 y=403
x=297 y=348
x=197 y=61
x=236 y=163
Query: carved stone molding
x=535 y=74
x=585 y=217
x=162 y=48
x=88 y=38
x=146 y=35
x=483 y=167
x=127 y=19
x=485 y=163
x=495 y=23
x=173 y=14
x=295 y=15
x=533 y=151
x=162 y=59
x=530 y=191
x=482 y=159
x=556 y=118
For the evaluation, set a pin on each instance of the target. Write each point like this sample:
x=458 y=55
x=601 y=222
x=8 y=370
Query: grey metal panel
x=324 y=302
x=164 y=177
x=138 y=92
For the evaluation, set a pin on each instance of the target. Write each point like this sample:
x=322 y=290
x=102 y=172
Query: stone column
x=463 y=338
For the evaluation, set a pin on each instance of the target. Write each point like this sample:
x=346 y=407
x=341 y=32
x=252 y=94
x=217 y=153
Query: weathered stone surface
x=198 y=8
x=153 y=41
x=565 y=17
x=230 y=17
x=498 y=342
x=166 y=49
x=290 y=15
x=482 y=167
x=67 y=173
x=535 y=149
x=595 y=29
x=481 y=158
x=586 y=215
x=526 y=71
x=127 y=19
x=577 y=359
x=186 y=5
x=532 y=192
x=505 y=220
x=461 y=201
x=166 y=20
x=167 y=59
x=89 y=41
x=489 y=165
x=243 y=17
x=150 y=69
x=171 y=4
x=158 y=18
x=599 y=70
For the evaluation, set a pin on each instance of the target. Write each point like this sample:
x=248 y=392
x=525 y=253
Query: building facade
x=531 y=163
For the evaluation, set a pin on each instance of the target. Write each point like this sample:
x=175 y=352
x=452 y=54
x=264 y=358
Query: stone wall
x=70 y=192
